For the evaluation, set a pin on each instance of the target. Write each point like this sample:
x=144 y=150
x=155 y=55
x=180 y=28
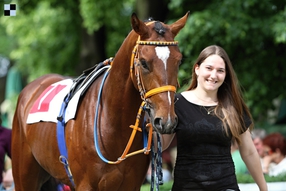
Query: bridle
x=144 y=95
x=134 y=63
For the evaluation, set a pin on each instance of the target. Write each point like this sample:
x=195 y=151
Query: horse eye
x=144 y=64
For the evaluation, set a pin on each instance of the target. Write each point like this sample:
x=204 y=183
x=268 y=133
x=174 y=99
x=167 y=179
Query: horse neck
x=121 y=62
x=119 y=79
x=120 y=98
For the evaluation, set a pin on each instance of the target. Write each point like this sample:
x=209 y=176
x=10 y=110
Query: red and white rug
x=47 y=106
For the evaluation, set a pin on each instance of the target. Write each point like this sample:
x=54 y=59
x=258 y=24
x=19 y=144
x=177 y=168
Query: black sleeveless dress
x=204 y=160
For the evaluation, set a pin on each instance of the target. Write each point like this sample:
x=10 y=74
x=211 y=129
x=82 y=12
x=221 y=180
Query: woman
x=211 y=113
x=274 y=161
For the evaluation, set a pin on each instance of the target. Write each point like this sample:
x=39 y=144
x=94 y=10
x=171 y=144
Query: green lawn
x=244 y=178
x=165 y=187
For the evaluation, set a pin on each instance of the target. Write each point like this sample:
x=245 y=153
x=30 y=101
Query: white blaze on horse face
x=163 y=53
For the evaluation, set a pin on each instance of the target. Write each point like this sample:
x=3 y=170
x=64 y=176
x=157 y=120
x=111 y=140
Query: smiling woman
x=211 y=74
x=211 y=113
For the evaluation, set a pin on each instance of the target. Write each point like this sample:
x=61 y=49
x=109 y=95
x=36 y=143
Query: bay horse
x=144 y=68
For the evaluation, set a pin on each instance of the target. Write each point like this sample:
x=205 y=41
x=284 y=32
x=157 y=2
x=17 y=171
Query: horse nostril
x=158 y=123
x=165 y=126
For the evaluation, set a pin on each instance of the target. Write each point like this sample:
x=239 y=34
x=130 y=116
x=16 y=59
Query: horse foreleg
x=111 y=181
x=116 y=180
x=28 y=174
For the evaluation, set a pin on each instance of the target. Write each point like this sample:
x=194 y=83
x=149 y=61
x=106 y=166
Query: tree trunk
x=157 y=9
x=92 y=49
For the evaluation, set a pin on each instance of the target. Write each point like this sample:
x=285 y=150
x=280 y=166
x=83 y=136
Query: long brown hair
x=231 y=108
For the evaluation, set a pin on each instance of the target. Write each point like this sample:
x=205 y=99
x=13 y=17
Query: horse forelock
x=159 y=28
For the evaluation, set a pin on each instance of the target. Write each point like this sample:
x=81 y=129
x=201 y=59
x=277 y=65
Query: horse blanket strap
x=156 y=165
x=84 y=81
x=61 y=139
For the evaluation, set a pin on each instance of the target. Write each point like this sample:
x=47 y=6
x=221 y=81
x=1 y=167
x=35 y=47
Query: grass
x=165 y=187
x=246 y=178
x=241 y=178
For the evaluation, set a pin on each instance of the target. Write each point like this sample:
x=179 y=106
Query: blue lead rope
x=96 y=145
x=144 y=130
x=156 y=165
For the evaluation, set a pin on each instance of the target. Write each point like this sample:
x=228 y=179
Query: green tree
x=253 y=32
x=44 y=39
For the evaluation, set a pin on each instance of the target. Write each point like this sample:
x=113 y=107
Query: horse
x=144 y=69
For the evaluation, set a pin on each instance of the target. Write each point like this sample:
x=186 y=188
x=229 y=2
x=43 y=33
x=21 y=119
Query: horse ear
x=179 y=24
x=139 y=26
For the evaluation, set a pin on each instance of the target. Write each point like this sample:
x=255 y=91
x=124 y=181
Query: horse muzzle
x=165 y=125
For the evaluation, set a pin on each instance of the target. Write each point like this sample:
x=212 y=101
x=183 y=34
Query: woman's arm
x=266 y=162
x=251 y=158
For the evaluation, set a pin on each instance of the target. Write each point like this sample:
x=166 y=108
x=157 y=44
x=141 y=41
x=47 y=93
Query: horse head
x=156 y=59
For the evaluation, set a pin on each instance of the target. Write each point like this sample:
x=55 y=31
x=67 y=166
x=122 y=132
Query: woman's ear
x=197 y=67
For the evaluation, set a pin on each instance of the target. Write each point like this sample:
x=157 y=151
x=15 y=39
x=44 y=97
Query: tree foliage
x=46 y=40
x=46 y=36
x=114 y=16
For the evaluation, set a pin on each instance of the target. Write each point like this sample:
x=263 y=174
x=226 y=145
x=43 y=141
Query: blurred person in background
x=6 y=178
x=257 y=136
x=274 y=160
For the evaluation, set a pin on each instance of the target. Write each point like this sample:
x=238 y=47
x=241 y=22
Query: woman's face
x=259 y=146
x=267 y=150
x=211 y=73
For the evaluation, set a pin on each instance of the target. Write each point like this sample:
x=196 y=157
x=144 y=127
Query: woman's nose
x=213 y=74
